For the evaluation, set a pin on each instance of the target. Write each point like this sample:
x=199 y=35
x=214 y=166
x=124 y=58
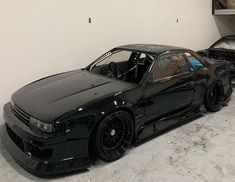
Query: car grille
x=21 y=115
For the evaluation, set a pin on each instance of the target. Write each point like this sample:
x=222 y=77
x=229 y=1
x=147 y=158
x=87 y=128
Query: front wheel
x=213 y=98
x=114 y=136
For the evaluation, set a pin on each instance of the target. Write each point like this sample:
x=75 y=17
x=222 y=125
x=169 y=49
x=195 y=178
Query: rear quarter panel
x=220 y=71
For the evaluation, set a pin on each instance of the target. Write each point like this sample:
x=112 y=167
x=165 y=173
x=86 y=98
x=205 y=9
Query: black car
x=223 y=49
x=58 y=123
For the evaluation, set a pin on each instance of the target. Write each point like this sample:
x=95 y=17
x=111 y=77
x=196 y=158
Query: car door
x=171 y=87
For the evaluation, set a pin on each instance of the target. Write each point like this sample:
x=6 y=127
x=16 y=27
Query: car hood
x=51 y=97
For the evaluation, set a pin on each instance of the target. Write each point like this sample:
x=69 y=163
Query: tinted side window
x=169 y=65
x=196 y=64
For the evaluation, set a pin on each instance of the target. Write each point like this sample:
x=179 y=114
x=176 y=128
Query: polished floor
x=202 y=150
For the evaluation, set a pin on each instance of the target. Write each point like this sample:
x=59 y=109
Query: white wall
x=43 y=37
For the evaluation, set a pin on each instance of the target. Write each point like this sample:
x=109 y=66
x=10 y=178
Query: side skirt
x=163 y=125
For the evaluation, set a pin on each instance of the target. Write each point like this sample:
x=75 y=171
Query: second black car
x=223 y=49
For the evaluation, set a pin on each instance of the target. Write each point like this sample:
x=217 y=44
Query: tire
x=213 y=98
x=114 y=136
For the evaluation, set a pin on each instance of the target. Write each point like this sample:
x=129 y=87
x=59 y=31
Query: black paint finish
x=76 y=101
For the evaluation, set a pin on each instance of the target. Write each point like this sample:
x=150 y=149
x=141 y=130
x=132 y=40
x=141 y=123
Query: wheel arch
x=219 y=85
x=209 y=105
x=91 y=149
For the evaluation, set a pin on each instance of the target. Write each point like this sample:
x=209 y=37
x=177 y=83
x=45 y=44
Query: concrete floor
x=202 y=150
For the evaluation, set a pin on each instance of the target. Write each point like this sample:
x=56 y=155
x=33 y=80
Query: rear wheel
x=114 y=136
x=213 y=98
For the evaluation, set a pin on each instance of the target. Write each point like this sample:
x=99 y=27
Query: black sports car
x=223 y=49
x=56 y=124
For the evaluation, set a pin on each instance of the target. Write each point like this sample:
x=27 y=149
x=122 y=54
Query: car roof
x=150 y=48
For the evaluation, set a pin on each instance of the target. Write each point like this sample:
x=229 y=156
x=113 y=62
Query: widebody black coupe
x=56 y=124
x=223 y=49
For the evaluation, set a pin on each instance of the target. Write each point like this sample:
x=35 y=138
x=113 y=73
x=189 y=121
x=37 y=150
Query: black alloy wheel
x=114 y=136
x=213 y=98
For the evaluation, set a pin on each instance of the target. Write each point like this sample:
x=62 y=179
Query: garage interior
x=41 y=38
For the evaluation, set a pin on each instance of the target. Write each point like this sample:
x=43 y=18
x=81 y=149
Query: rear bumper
x=40 y=155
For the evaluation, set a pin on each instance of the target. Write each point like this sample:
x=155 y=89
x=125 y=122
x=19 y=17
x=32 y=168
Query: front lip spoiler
x=22 y=159
x=38 y=167
x=52 y=166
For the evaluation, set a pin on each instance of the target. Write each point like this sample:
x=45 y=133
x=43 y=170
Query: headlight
x=41 y=125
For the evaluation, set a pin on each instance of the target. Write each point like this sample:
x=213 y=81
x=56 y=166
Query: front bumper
x=39 y=154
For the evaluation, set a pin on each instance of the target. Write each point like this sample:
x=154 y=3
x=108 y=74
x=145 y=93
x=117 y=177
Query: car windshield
x=225 y=44
x=125 y=65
